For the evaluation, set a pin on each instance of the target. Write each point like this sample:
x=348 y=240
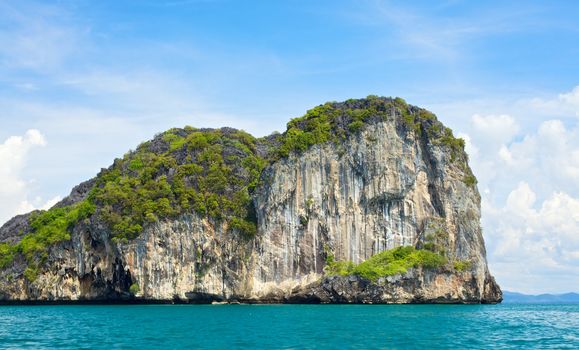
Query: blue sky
x=82 y=82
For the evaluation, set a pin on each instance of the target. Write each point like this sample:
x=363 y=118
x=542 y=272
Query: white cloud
x=13 y=156
x=498 y=129
x=26 y=206
x=470 y=148
x=14 y=189
x=531 y=243
x=530 y=197
x=550 y=157
x=571 y=99
x=562 y=105
x=521 y=199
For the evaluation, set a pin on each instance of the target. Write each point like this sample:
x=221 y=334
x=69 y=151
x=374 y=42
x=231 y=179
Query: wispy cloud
x=431 y=33
x=170 y=3
x=565 y=104
x=37 y=37
x=46 y=51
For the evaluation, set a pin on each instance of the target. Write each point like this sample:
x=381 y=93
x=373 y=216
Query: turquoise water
x=290 y=326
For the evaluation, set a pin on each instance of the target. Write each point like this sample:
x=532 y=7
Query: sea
x=503 y=326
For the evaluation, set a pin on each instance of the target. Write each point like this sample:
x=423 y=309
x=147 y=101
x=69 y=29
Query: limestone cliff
x=200 y=215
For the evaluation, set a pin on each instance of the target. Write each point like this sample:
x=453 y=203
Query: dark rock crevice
x=431 y=171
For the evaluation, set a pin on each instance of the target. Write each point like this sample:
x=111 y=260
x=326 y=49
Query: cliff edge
x=364 y=201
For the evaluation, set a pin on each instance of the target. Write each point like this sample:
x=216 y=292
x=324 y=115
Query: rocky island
x=364 y=201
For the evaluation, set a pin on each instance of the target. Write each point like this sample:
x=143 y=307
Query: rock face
x=380 y=188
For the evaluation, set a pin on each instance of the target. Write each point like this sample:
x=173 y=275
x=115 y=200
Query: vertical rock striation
x=389 y=183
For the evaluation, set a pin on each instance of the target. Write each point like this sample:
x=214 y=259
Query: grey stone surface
x=380 y=189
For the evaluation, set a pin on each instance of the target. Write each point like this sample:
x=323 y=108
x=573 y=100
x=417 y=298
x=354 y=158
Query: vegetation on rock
x=387 y=263
x=436 y=240
x=334 y=121
x=7 y=252
x=134 y=289
x=470 y=180
x=54 y=225
x=213 y=173
x=462 y=265
x=47 y=228
x=210 y=172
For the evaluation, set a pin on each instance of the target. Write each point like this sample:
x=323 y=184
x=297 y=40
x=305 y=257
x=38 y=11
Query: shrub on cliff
x=47 y=228
x=134 y=289
x=387 y=263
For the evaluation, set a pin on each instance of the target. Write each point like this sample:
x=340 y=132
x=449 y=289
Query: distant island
x=519 y=298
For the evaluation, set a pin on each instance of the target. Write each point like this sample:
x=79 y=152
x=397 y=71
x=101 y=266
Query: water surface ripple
x=290 y=327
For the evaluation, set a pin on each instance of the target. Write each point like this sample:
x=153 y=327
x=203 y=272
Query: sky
x=82 y=82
